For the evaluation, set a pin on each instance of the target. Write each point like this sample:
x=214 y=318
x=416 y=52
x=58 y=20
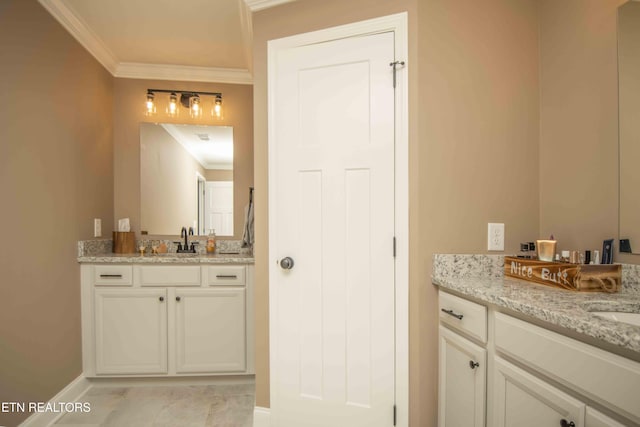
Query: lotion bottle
x=211 y=241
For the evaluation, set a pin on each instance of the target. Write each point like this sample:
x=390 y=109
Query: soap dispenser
x=211 y=241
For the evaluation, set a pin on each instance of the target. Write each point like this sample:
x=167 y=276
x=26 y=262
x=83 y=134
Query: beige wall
x=129 y=95
x=477 y=154
x=218 y=175
x=578 y=123
x=473 y=101
x=56 y=175
x=160 y=157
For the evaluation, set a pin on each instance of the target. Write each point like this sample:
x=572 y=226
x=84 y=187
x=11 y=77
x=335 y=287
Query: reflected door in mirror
x=219 y=207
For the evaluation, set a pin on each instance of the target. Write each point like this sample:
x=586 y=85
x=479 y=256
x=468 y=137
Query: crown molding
x=256 y=5
x=94 y=45
x=81 y=32
x=135 y=70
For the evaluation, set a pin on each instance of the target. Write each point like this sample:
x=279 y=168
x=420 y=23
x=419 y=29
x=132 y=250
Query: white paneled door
x=331 y=211
x=219 y=207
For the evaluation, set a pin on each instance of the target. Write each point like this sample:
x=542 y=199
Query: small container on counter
x=546 y=249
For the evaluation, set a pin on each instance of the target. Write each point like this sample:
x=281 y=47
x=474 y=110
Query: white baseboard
x=71 y=393
x=261 y=417
x=172 y=381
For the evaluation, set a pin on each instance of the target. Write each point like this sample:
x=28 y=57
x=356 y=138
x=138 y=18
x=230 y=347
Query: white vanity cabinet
x=167 y=320
x=535 y=376
x=462 y=365
x=585 y=371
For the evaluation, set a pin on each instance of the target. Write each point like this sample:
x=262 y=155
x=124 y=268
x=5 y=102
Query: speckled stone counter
x=227 y=252
x=172 y=258
x=481 y=277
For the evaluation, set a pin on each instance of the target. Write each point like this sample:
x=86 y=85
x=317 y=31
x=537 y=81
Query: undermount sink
x=618 y=316
x=616 y=311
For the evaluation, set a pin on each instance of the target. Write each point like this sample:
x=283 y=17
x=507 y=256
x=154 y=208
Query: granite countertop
x=227 y=252
x=481 y=278
x=168 y=258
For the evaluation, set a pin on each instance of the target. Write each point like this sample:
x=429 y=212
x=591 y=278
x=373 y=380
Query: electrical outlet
x=97 y=227
x=495 y=237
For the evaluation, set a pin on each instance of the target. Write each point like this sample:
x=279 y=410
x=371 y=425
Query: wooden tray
x=124 y=242
x=574 y=277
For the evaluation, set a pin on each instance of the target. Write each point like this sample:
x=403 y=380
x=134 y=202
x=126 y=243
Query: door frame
x=397 y=23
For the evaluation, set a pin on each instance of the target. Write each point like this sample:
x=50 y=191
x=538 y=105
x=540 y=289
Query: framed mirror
x=629 y=121
x=186 y=179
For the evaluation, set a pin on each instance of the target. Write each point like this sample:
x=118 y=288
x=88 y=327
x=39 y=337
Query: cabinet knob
x=178 y=299
x=565 y=423
x=473 y=365
x=161 y=299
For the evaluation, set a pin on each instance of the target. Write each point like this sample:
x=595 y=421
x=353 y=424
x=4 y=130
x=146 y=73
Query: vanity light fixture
x=194 y=101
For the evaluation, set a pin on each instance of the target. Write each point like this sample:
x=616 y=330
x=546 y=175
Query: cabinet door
x=596 y=418
x=526 y=401
x=131 y=331
x=210 y=330
x=462 y=377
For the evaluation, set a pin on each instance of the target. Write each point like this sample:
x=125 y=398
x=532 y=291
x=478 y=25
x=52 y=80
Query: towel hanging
x=248 y=232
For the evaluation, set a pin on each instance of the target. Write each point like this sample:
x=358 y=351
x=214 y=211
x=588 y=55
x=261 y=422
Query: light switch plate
x=97 y=227
x=495 y=237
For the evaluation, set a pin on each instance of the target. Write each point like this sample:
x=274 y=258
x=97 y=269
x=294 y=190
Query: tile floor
x=170 y=406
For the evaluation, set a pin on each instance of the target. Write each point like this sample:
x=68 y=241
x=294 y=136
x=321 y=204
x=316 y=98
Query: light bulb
x=172 y=107
x=196 y=110
x=217 y=107
x=150 y=105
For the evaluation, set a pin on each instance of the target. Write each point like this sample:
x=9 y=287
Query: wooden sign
x=575 y=277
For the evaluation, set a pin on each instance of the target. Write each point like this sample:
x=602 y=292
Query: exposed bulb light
x=172 y=107
x=150 y=105
x=217 y=107
x=196 y=108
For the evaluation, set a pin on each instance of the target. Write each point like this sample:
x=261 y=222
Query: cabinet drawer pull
x=226 y=276
x=451 y=313
x=111 y=276
x=161 y=299
x=473 y=365
x=178 y=299
x=565 y=423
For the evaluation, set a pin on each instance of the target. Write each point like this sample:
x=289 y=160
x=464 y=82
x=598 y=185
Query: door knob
x=286 y=263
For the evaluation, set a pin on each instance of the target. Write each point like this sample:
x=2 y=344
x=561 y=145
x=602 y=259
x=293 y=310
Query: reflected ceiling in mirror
x=211 y=146
x=186 y=178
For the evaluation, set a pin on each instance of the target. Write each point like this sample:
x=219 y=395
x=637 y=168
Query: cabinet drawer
x=607 y=378
x=170 y=275
x=226 y=275
x=112 y=275
x=464 y=315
